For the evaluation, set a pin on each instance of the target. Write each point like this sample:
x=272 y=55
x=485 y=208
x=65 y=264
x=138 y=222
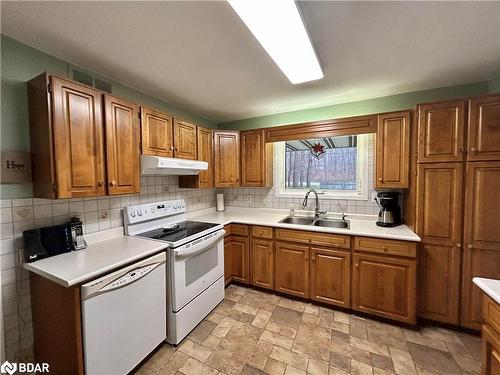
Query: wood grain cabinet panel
x=121 y=120
x=441 y=129
x=184 y=140
x=314 y=238
x=263 y=263
x=256 y=159
x=491 y=352
x=78 y=139
x=383 y=246
x=292 y=269
x=204 y=179
x=484 y=128
x=330 y=276
x=240 y=259
x=227 y=158
x=384 y=286
x=157 y=133
x=393 y=150
x=262 y=232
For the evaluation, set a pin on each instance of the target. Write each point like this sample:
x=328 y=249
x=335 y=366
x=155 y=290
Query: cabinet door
x=184 y=139
x=121 y=120
x=384 y=286
x=439 y=282
x=205 y=178
x=441 y=128
x=227 y=158
x=157 y=134
x=330 y=276
x=240 y=259
x=491 y=351
x=393 y=150
x=262 y=263
x=78 y=139
x=484 y=128
x=256 y=159
x=227 y=259
x=292 y=269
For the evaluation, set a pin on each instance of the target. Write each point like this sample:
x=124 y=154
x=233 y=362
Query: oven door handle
x=198 y=248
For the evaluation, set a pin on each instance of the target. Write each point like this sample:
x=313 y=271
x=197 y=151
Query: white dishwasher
x=123 y=316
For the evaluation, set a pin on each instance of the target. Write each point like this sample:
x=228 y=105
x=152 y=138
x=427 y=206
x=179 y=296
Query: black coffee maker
x=390 y=212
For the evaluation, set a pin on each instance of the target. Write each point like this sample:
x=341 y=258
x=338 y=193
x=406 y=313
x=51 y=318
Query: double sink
x=329 y=223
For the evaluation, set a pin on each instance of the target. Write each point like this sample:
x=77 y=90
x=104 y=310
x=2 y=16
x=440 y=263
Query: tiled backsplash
x=17 y=215
x=262 y=197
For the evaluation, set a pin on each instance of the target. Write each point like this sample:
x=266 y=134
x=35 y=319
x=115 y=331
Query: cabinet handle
x=171 y=148
x=459 y=245
x=380 y=178
x=384 y=248
x=313 y=258
x=473 y=149
x=469 y=246
x=100 y=183
x=112 y=183
x=356 y=265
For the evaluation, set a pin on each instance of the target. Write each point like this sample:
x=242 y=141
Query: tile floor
x=252 y=332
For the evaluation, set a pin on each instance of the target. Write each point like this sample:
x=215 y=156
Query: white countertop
x=360 y=225
x=490 y=286
x=106 y=251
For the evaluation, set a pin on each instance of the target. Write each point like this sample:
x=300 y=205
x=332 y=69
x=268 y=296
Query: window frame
x=361 y=193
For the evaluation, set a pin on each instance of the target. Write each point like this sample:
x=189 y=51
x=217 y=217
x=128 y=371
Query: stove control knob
x=183 y=205
x=132 y=213
x=176 y=206
x=139 y=212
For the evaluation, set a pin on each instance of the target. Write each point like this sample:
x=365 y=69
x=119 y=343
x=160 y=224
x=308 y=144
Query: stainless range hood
x=158 y=165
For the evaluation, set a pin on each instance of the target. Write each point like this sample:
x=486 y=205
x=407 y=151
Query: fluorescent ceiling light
x=278 y=27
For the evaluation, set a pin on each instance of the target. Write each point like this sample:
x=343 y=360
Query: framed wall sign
x=15 y=167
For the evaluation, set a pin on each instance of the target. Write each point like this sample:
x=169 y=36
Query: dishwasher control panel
x=130 y=277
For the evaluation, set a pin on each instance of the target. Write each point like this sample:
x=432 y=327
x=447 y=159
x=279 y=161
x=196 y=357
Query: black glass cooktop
x=177 y=231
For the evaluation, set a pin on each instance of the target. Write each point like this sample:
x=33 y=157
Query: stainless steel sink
x=297 y=220
x=332 y=223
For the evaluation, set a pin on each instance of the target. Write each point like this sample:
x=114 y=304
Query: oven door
x=195 y=266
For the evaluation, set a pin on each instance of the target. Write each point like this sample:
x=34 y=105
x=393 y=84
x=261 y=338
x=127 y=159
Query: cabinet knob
x=356 y=265
x=171 y=148
x=313 y=258
x=380 y=178
x=384 y=248
x=473 y=149
x=469 y=246
x=176 y=149
x=100 y=183
x=112 y=183
x=459 y=245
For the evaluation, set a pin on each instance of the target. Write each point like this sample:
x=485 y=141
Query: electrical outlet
x=374 y=195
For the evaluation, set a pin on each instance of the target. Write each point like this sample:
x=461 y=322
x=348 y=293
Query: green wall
x=494 y=83
x=20 y=63
x=363 y=107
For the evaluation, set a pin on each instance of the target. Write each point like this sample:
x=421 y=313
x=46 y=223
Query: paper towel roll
x=220 y=202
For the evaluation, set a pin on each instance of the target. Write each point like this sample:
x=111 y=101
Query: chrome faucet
x=342 y=210
x=317 y=212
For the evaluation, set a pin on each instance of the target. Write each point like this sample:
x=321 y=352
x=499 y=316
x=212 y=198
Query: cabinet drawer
x=262 y=232
x=314 y=238
x=491 y=312
x=381 y=246
x=239 y=230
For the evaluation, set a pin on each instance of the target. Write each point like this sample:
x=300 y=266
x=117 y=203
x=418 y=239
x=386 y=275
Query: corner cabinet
x=67 y=138
x=226 y=158
x=157 y=133
x=204 y=179
x=393 y=150
x=256 y=159
x=121 y=120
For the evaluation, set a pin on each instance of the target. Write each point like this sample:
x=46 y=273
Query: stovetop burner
x=177 y=231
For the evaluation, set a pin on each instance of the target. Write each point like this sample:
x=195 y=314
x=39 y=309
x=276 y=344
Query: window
x=336 y=167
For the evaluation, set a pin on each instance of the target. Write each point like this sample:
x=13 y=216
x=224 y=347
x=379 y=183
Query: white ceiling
x=201 y=56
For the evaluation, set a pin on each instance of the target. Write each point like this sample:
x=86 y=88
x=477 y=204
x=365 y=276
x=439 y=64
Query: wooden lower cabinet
x=292 y=269
x=491 y=351
x=330 y=276
x=240 y=259
x=439 y=282
x=384 y=286
x=263 y=263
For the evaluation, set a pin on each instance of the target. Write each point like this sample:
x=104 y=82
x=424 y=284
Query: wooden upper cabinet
x=393 y=150
x=67 y=138
x=227 y=158
x=292 y=269
x=439 y=203
x=157 y=133
x=484 y=128
x=184 y=140
x=384 y=286
x=263 y=263
x=204 y=179
x=256 y=159
x=121 y=120
x=441 y=128
x=330 y=276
